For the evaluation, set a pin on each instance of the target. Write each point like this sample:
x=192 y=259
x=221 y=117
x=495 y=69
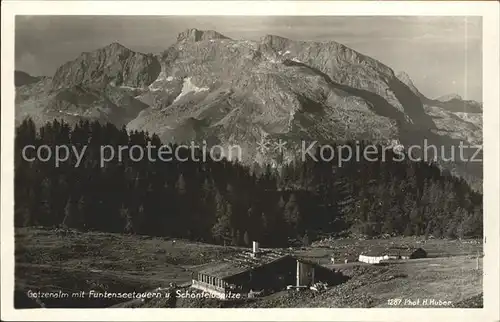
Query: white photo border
x=488 y=10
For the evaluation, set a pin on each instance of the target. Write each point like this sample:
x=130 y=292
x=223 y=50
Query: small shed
x=406 y=252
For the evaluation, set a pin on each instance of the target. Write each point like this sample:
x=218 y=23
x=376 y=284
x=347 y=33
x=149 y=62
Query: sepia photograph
x=248 y=161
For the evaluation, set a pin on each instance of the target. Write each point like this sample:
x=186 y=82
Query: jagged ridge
x=113 y=64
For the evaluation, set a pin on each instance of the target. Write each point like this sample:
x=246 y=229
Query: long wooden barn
x=260 y=270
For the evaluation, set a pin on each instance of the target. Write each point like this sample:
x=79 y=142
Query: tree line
x=230 y=203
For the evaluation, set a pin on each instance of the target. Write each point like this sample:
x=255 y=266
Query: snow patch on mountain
x=69 y=113
x=189 y=87
x=283 y=53
x=157 y=84
x=290 y=120
x=129 y=87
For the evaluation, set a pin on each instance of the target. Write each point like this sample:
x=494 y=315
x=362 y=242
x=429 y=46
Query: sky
x=442 y=55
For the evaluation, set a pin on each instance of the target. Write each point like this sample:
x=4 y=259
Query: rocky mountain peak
x=449 y=97
x=113 y=64
x=406 y=79
x=194 y=35
x=116 y=46
x=275 y=41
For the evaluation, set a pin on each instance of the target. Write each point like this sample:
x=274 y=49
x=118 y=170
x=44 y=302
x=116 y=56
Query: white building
x=372 y=259
x=376 y=256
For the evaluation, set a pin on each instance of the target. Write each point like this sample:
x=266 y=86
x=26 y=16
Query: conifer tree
x=246 y=239
x=72 y=218
x=292 y=213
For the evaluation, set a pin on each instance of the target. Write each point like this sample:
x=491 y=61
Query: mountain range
x=207 y=86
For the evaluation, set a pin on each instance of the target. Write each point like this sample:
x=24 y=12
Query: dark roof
x=375 y=251
x=402 y=251
x=241 y=262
